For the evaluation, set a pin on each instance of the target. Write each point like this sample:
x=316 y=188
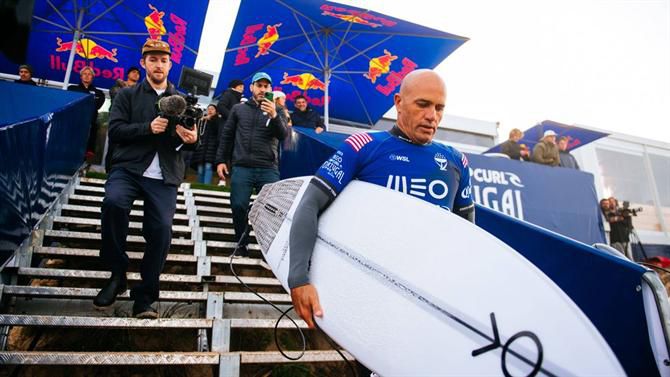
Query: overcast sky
x=599 y=63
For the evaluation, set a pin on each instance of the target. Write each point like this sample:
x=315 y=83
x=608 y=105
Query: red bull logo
x=87 y=49
x=247 y=39
x=380 y=65
x=268 y=39
x=356 y=16
x=351 y=18
x=393 y=79
x=56 y=64
x=304 y=81
x=154 y=23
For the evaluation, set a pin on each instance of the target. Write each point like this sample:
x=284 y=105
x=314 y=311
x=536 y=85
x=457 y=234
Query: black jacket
x=249 y=140
x=129 y=128
x=97 y=94
x=229 y=98
x=29 y=82
x=308 y=118
x=209 y=142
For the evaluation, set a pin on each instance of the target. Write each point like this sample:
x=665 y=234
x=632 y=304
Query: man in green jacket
x=546 y=151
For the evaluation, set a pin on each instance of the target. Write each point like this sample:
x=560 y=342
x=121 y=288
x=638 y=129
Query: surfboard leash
x=284 y=313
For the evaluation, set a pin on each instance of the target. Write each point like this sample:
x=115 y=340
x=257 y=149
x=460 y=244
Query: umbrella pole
x=326 y=102
x=73 y=49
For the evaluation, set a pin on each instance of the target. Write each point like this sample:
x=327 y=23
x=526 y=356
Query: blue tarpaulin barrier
x=43 y=135
x=606 y=288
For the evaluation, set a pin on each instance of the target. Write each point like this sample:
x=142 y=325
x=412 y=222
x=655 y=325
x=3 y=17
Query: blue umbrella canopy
x=108 y=35
x=348 y=62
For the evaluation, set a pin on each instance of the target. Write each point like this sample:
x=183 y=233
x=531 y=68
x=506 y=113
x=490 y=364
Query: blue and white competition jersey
x=436 y=173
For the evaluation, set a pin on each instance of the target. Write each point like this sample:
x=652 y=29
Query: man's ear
x=142 y=63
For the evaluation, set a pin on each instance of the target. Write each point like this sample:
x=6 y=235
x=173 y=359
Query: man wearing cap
x=229 y=98
x=147 y=164
x=86 y=86
x=132 y=77
x=25 y=75
x=304 y=116
x=546 y=151
x=248 y=146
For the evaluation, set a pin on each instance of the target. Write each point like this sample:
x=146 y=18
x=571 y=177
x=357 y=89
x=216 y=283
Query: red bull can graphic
x=87 y=49
x=351 y=18
x=268 y=39
x=154 y=23
x=379 y=66
x=304 y=81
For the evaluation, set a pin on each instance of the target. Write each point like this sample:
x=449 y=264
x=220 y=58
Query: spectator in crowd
x=230 y=97
x=621 y=224
x=25 y=75
x=248 y=146
x=566 y=159
x=132 y=77
x=204 y=157
x=86 y=86
x=304 y=116
x=280 y=102
x=512 y=148
x=147 y=165
x=420 y=105
x=546 y=151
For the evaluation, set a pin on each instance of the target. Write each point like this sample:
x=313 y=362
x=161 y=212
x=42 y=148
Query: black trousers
x=160 y=202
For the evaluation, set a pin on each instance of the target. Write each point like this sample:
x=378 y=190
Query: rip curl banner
x=113 y=32
x=348 y=59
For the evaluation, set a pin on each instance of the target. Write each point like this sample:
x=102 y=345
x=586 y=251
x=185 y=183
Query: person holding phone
x=248 y=150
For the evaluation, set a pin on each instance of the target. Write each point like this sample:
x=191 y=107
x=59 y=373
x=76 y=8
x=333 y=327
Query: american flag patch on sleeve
x=357 y=141
x=464 y=160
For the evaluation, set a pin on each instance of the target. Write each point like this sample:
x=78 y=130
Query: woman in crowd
x=204 y=156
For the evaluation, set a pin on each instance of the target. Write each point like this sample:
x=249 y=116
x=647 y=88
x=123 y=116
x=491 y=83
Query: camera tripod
x=634 y=239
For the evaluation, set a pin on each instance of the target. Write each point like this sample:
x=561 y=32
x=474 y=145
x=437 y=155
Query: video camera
x=181 y=110
x=626 y=211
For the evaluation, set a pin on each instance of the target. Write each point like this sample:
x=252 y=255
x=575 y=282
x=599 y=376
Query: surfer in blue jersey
x=404 y=159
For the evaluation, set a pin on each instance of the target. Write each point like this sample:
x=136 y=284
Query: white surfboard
x=410 y=289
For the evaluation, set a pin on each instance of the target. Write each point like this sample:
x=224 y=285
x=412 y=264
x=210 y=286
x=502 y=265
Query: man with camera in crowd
x=146 y=163
x=621 y=223
x=249 y=146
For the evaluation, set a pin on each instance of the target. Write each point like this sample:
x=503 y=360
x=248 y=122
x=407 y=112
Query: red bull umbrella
x=577 y=136
x=67 y=35
x=348 y=62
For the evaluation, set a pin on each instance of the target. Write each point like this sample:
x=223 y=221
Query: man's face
x=157 y=67
x=239 y=88
x=420 y=109
x=563 y=144
x=133 y=75
x=259 y=88
x=86 y=77
x=25 y=74
x=516 y=137
x=550 y=139
x=301 y=104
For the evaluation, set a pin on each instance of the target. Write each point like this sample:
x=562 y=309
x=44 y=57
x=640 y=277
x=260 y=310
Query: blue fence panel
x=43 y=135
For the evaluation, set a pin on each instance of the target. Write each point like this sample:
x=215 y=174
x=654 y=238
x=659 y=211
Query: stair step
x=108 y=358
x=97 y=200
x=128 y=323
x=53 y=273
x=179 y=258
x=138 y=214
x=96 y=236
x=162 y=358
x=90 y=293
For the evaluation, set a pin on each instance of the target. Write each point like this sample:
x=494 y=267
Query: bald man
x=398 y=159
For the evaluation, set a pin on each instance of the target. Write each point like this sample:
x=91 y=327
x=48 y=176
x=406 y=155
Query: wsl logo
x=395 y=157
x=418 y=187
x=498 y=190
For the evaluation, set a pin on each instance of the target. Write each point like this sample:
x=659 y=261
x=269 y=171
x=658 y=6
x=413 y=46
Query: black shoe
x=107 y=295
x=144 y=311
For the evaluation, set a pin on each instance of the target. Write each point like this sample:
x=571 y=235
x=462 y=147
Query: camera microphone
x=173 y=105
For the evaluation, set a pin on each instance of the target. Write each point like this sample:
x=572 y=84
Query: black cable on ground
x=284 y=313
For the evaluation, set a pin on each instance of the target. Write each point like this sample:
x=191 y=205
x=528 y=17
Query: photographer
x=621 y=223
x=147 y=163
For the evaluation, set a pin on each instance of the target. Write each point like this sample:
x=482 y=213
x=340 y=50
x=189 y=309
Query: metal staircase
x=209 y=321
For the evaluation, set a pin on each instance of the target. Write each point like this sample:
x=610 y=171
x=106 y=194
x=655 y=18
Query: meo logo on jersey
x=418 y=187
